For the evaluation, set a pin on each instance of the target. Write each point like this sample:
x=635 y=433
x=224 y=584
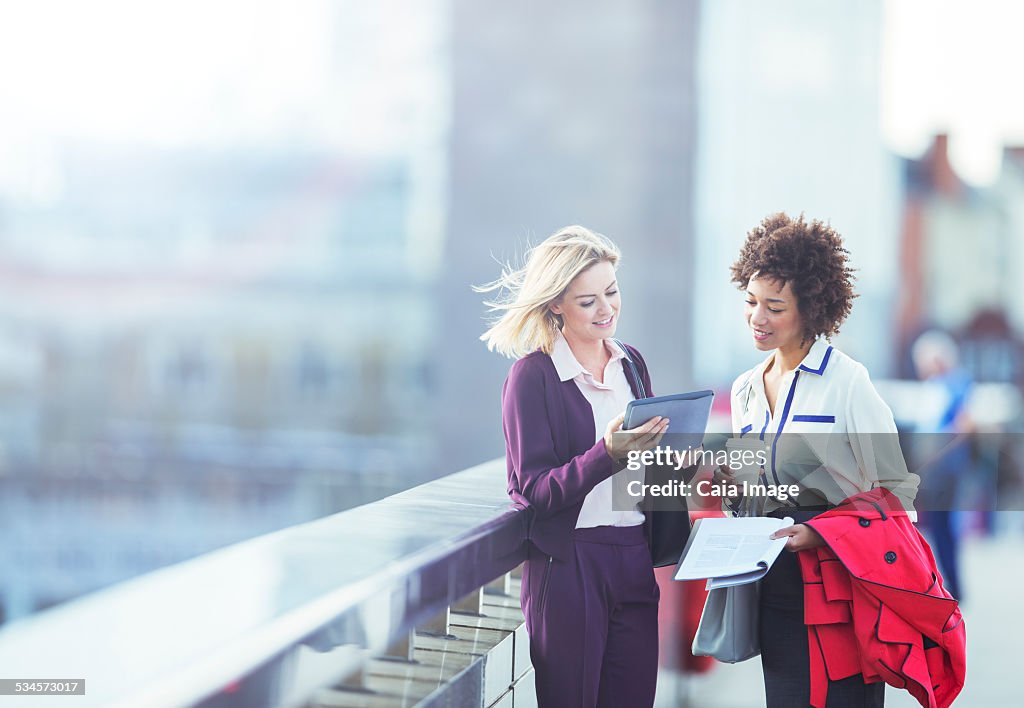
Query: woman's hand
x=801 y=537
x=724 y=478
x=723 y=475
x=619 y=443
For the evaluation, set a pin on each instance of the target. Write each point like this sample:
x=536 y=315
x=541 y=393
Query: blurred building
x=210 y=340
x=568 y=112
x=788 y=120
x=173 y=407
x=960 y=248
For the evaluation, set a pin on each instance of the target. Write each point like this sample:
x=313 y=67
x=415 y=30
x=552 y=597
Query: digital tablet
x=687 y=413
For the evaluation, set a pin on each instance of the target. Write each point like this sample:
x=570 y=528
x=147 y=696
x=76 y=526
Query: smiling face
x=772 y=315
x=590 y=305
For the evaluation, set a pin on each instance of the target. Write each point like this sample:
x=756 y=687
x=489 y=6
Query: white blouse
x=831 y=432
x=607 y=400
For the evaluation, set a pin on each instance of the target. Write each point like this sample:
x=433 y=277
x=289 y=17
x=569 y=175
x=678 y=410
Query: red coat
x=874 y=604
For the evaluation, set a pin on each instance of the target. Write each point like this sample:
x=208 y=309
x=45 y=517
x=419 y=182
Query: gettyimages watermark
x=930 y=472
x=681 y=459
x=735 y=458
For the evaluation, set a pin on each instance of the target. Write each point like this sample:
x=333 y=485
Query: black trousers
x=785 y=656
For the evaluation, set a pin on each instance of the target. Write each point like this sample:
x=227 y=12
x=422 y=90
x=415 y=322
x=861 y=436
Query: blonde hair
x=527 y=323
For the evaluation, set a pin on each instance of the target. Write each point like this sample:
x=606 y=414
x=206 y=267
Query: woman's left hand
x=801 y=537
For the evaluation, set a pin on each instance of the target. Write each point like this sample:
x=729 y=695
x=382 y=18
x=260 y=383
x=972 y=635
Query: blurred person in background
x=854 y=490
x=588 y=590
x=943 y=449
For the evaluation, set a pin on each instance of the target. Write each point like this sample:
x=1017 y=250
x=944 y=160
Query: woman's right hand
x=723 y=475
x=619 y=443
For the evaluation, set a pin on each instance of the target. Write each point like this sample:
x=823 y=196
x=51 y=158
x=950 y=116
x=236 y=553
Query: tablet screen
x=687 y=413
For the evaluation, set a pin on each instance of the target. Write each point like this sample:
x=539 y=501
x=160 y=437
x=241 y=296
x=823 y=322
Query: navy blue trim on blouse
x=824 y=362
x=782 y=423
x=745 y=429
x=763 y=429
x=814 y=419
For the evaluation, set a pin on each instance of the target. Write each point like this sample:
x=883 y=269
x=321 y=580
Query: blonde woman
x=589 y=594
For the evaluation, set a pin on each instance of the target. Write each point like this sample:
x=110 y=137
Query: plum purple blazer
x=553 y=461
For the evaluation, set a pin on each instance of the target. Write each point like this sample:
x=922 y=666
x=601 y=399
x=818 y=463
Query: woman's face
x=590 y=306
x=772 y=314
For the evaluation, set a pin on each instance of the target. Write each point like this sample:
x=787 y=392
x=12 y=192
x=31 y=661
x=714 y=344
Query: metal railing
x=271 y=621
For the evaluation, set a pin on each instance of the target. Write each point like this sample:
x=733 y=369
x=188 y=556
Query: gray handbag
x=728 y=629
x=728 y=624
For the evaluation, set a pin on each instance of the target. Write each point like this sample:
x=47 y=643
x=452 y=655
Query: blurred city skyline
x=237 y=242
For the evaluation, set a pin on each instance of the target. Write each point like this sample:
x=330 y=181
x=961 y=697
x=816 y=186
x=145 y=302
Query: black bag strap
x=638 y=383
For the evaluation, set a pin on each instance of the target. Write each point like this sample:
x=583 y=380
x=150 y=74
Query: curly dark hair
x=810 y=257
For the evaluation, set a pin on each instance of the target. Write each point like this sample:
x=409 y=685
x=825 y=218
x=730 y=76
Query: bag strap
x=638 y=383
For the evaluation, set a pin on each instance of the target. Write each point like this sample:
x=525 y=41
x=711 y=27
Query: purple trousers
x=593 y=621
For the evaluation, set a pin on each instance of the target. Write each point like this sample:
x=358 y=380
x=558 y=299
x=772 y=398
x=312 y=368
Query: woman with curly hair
x=798 y=285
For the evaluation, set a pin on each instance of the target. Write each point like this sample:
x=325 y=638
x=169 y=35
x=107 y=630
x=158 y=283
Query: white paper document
x=731 y=551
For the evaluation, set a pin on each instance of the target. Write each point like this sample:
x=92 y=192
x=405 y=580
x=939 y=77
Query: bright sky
x=348 y=74
x=187 y=72
x=226 y=74
x=954 y=66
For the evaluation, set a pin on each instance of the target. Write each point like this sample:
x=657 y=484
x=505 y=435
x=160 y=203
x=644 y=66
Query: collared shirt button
x=865 y=522
x=890 y=557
